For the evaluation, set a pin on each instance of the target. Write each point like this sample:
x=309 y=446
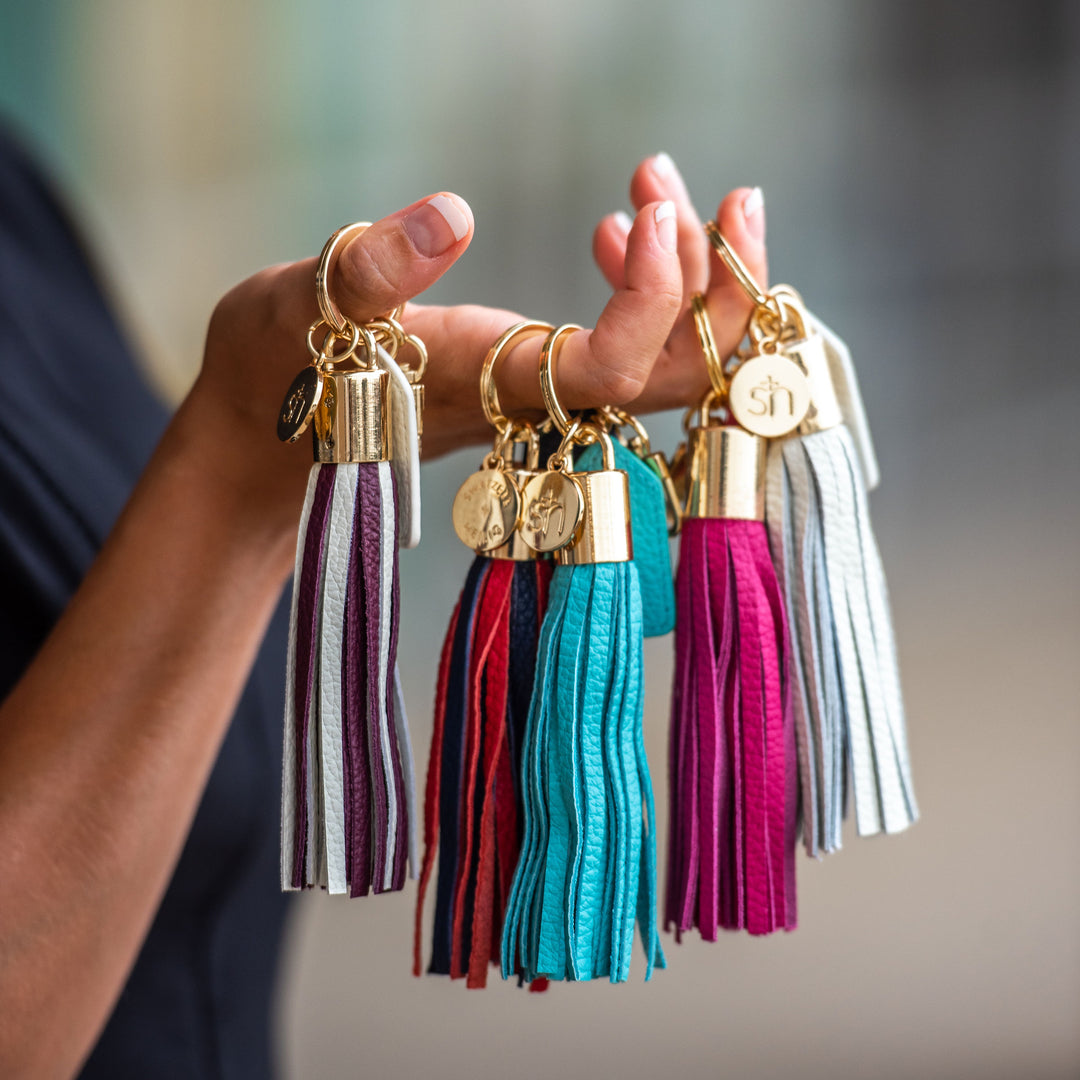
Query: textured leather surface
x=733 y=761
x=587 y=865
x=298 y=809
x=648 y=521
x=404 y=451
x=451 y=763
x=472 y=799
x=347 y=788
x=846 y=385
x=849 y=690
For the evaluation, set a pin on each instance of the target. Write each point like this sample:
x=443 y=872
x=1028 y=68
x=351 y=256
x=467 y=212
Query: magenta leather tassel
x=734 y=776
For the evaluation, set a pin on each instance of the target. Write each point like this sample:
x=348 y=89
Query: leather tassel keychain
x=587 y=869
x=347 y=778
x=654 y=512
x=734 y=784
x=798 y=386
x=473 y=804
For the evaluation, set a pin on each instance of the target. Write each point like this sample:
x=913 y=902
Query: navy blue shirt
x=77 y=425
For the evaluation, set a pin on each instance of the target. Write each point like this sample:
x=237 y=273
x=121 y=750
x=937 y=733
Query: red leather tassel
x=486 y=724
x=734 y=794
x=493 y=622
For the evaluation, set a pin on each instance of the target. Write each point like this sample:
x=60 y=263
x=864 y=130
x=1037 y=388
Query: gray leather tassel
x=848 y=705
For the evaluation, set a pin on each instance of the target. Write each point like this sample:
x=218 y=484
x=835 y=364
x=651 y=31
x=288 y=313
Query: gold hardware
x=738 y=269
x=351 y=418
x=393 y=336
x=551 y=501
x=714 y=363
x=324 y=354
x=486 y=509
x=521 y=473
x=727 y=469
x=489 y=393
x=769 y=395
x=615 y=418
x=330 y=312
x=803 y=343
x=301 y=400
x=603 y=534
x=549 y=355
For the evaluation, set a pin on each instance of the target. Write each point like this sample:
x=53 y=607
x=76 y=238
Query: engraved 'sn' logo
x=294 y=407
x=542 y=510
x=765 y=396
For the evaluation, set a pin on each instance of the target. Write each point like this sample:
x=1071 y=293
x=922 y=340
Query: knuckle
x=619 y=385
x=372 y=275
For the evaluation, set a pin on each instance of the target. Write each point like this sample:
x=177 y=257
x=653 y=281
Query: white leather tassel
x=848 y=705
x=347 y=792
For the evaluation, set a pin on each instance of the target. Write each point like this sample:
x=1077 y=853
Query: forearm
x=107 y=741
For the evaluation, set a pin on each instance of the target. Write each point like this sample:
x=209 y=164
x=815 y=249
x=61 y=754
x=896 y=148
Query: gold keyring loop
x=714 y=364
x=328 y=309
x=549 y=355
x=489 y=392
x=737 y=267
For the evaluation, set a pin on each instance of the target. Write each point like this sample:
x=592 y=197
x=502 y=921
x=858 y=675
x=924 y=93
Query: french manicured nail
x=664 y=166
x=666 y=225
x=753 y=209
x=666 y=170
x=437 y=225
x=622 y=221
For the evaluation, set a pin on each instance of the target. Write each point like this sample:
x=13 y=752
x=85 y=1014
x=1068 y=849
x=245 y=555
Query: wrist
x=243 y=478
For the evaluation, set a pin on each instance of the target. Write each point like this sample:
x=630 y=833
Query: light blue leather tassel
x=588 y=863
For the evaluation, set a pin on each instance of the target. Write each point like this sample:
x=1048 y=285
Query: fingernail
x=666 y=228
x=437 y=225
x=622 y=220
x=753 y=209
x=664 y=166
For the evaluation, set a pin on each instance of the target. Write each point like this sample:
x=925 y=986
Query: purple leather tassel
x=347 y=797
x=307 y=609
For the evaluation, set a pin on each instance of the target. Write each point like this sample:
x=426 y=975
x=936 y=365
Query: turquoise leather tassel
x=587 y=869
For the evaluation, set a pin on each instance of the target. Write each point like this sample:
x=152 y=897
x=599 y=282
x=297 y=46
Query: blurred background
x=921 y=166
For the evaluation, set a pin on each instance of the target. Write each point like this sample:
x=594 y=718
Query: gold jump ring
x=489 y=392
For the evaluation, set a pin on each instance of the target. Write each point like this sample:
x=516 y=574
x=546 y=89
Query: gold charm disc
x=769 y=395
x=551 y=511
x=299 y=405
x=486 y=509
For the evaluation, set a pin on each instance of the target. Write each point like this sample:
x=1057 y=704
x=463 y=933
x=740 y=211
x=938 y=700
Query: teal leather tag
x=648 y=523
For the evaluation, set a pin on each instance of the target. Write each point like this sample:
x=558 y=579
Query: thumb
x=394 y=260
x=401 y=255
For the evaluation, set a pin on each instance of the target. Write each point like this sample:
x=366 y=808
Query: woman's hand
x=255 y=345
x=642 y=351
x=679 y=377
